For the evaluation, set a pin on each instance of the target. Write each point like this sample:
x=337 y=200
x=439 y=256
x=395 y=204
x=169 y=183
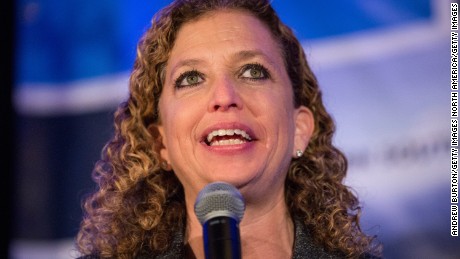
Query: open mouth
x=227 y=137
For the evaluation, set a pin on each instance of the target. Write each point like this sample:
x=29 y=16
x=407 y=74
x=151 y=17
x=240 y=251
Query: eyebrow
x=248 y=54
x=186 y=62
x=238 y=56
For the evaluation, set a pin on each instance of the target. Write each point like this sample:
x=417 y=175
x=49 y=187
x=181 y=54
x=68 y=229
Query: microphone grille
x=219 y=199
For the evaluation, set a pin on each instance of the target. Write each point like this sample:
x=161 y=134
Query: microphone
x=220 y=207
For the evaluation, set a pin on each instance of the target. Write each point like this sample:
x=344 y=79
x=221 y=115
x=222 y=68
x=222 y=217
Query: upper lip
x=228 y=126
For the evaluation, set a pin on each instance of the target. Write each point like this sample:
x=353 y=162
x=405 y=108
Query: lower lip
x=230 y=149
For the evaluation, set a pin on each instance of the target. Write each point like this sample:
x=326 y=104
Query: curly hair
x=139 y=205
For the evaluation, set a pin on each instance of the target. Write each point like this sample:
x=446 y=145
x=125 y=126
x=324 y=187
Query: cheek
x=280 y=106
x=167 y=109
x=283 y=118
x=179 y=118
x=276 y=116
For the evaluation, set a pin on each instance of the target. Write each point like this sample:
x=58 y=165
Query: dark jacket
x=303 y=248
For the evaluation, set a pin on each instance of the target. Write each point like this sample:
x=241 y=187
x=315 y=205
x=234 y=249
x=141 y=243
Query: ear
x=160 y=146
x=304 y=127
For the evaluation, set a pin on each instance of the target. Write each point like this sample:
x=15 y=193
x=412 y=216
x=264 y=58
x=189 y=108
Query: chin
x=237 y=178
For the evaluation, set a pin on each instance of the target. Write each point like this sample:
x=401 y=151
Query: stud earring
x=299 y=153
x=165 y=166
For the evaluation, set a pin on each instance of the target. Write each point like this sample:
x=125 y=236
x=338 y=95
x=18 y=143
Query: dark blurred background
x=383 y=66
x=7 y=128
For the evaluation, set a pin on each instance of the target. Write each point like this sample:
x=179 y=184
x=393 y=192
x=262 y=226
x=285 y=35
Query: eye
x=189 y=78
x=254 y=72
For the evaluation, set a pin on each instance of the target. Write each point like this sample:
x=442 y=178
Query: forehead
x=224 y=31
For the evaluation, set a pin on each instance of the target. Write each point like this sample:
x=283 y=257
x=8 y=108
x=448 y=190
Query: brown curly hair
x=138 y=205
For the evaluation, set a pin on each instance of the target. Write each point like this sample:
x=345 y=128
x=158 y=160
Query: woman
x=221 y=91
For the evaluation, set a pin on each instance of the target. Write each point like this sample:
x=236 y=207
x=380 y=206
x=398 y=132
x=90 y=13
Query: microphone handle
x=221 y=236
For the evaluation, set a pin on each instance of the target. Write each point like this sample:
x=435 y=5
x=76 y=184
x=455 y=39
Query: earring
x=165 y=165
x=299 y=153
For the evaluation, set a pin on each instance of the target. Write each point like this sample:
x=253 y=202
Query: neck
x=266 y=230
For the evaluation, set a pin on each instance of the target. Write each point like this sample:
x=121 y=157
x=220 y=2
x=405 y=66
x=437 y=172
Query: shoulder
x=305 y=247
x=175 y=250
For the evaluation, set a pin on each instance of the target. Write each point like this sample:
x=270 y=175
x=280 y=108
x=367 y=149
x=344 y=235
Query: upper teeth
x=228 y=132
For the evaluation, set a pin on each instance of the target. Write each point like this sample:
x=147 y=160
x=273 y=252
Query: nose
x=224 y=96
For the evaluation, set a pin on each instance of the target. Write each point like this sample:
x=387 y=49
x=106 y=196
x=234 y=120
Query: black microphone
x=220 y=207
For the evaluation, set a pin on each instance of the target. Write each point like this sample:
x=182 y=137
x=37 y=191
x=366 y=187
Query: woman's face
x=226 y=108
